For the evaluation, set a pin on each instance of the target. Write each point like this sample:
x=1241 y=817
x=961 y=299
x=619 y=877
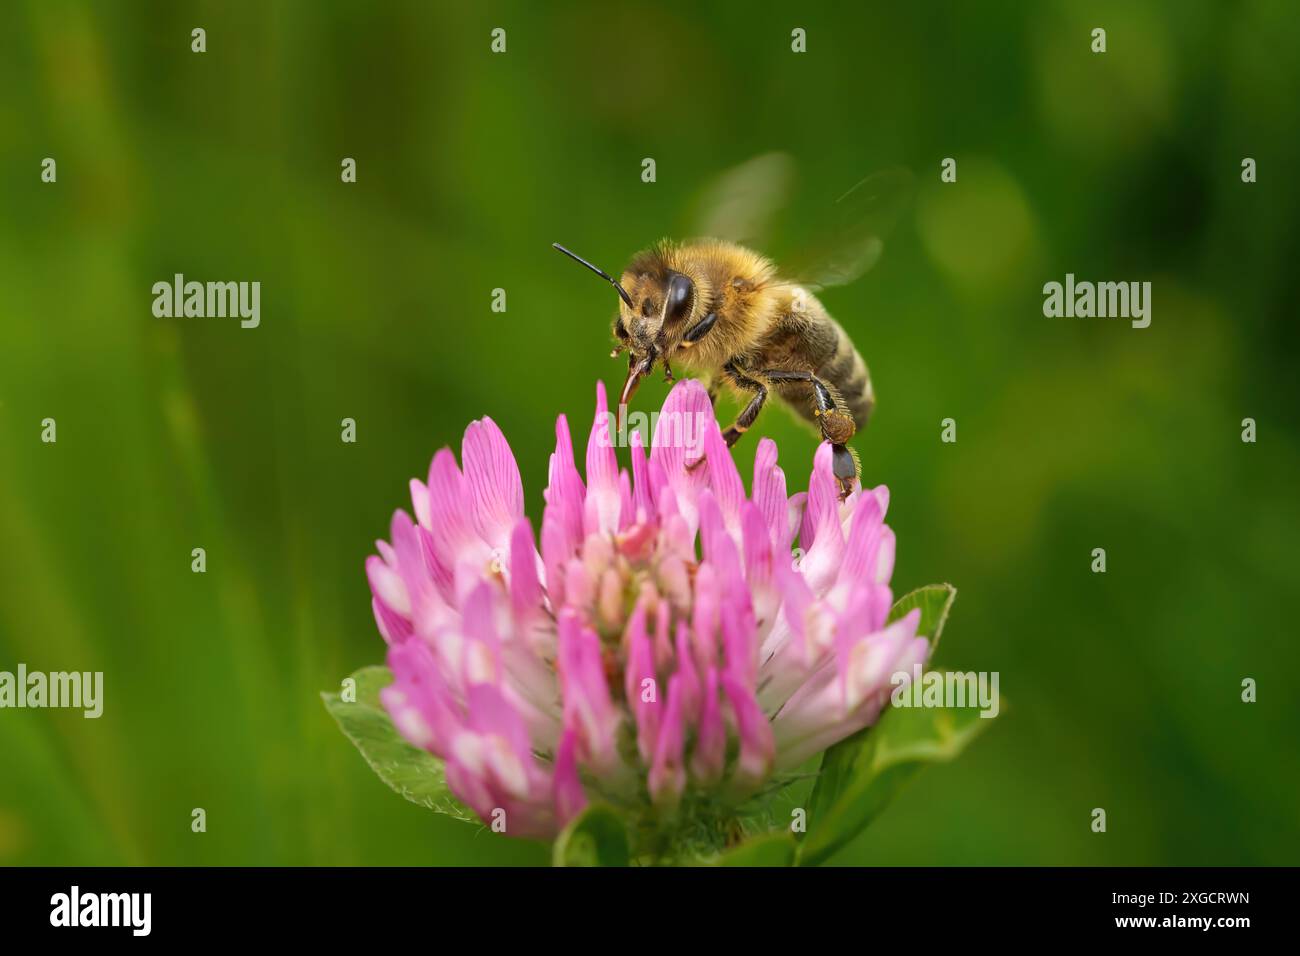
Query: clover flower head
x=666 y=651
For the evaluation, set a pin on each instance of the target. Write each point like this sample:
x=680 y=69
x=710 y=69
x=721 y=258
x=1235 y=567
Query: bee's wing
x=853 y=242
x=742 y=204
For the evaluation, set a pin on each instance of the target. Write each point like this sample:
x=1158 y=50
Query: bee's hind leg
x=836 y=425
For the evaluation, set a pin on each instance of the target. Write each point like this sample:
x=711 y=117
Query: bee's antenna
x=600 y=272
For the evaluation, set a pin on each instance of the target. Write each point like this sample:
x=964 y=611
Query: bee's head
x=656 y=303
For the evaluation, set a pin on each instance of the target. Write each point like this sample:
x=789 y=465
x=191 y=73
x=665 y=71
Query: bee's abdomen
x=847 y=374
x=807 y=339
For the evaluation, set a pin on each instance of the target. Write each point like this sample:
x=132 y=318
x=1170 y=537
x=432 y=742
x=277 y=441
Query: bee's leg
x=699 y=329
x=836 y=425
x=693 y=335
x=748 y=414
x=821 y=394
x=750 y=411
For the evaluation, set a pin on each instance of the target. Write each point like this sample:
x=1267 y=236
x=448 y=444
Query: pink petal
x=667 y=777
x=759 y=562
x=442 y=575
x=724 y=478
x=821 y=561
x=418 y=700
x=711 y=742
x=717 y=544
x=525 y=589
x=420 y=502
x=482 y=658
x=642 y=498
x=627 y=507
x=663 y=639
x=471 y=788
x=556 y=551
x=570 y=799
x=687 y=676
x=565 y=492
x=797 y=515
x=861 y=554
x=684 y=421
x=823 y=492
x=738 y=637
x=603 y=503
x=769 y=493
x=387 y=587
x=871 y=663
x=757 y=746
x=490 y=713
x=496 y=492
x=884 y=568
x=706 y=615
x=640 y=669
x=450 y=526
x=392 y=626
x=835 y=703
x=587 y=705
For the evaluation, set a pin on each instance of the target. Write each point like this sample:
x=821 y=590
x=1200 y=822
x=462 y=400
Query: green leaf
x=770 y=849
x=414 y=773
x=935 y=601
x=863 y=773
x=595 y=837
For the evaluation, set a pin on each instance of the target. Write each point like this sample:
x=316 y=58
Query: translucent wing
x=742 y=204
x=860 y=222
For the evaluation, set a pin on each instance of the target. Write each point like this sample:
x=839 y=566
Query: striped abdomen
x=806 y=338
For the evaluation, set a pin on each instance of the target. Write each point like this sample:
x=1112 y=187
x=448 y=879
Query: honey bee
x=720 y=309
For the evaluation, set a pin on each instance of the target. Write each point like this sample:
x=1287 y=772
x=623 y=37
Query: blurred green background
x=1124 y=688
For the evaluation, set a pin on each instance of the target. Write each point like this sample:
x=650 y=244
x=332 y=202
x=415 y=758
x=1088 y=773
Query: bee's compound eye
x=680 y=291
